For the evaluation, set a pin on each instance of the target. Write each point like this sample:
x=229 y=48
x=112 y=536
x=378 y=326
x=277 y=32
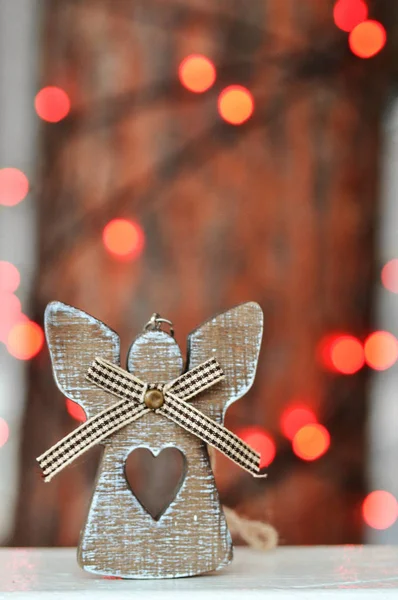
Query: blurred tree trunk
x=281 y=210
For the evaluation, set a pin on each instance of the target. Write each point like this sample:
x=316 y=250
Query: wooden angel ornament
x=155 y=404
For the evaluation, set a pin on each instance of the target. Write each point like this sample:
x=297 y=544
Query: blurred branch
x=320 y=62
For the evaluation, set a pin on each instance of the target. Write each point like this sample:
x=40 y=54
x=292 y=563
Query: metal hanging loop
x=155 y=322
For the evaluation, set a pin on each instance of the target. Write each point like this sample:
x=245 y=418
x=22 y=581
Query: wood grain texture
x=120 y=538
x=282 y=209
x=73 y=338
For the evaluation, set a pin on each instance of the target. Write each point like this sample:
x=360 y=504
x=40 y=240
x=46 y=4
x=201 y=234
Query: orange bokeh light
x=380 y=509
x=123 y=238
x=75 y=411
x=197 y=73
x=389 y=275
x=341 y=353
x=9 y=277
x=367 y=39
x=346 y=354
x=311 y=441
x=259 y=440
x=381 y=350
x=14 y=186
x=235 y=104
x=25 y=340
x=4 y=432
x=347 y=14
x=52 y=104
x=294 y=418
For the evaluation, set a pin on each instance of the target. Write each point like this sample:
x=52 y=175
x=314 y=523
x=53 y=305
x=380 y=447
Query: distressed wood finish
x=281 y=209
x=120 y=537
x=73 y=338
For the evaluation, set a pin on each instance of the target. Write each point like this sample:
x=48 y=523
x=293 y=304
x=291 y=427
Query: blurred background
x=183 y=157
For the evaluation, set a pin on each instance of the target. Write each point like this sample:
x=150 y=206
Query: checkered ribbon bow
x=171 y=403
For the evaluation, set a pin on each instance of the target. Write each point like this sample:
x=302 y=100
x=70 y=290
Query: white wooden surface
x=357 y=572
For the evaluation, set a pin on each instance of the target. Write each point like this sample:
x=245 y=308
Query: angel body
x=120 y=538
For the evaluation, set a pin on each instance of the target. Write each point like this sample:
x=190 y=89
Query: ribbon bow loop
x=137 y=398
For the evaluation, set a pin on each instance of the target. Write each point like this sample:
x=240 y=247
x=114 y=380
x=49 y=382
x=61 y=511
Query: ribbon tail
x=70 y=448
x=131 y=391
x=191 y=419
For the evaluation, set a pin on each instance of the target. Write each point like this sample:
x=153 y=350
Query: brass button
x=154 y=399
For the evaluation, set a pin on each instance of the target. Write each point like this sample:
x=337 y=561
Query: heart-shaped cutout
x=155 y=480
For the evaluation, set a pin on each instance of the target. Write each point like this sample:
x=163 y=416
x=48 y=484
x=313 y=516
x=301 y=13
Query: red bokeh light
x=367 y=39
x=235 y=104
x=9 y=277
x=389 y=275
x=311 y=442
x=348 y=14
x=259 y=440
x=14 y=186
x=381 y=350
x=341 y=353
x=4 y=432
x=380 y=509
x=10 y=313
x=294 y=418
x=25 y=340
x=197 y=73
x=10 y=305
x=52 y=104
x=75 y=411
x=125 y=239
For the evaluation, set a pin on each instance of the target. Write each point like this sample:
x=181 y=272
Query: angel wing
x=234 y=338
x=74 y=339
